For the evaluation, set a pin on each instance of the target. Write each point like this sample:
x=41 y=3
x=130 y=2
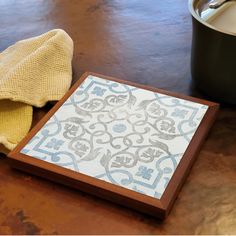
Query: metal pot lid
x=217 y=14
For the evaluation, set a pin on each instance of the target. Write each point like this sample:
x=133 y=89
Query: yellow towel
x=32 y=72
x=15 y=122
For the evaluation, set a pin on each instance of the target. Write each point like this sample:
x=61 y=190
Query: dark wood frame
x=158 y=208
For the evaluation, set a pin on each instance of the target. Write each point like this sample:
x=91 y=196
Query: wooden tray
x=125 y=142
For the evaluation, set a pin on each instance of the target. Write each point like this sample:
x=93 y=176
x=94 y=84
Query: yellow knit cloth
x=32 y=72
x=15 y=122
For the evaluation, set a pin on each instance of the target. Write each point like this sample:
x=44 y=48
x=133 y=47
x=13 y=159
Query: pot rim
x=198 y=18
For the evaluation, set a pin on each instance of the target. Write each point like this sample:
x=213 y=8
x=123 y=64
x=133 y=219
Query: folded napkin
x=32 y=72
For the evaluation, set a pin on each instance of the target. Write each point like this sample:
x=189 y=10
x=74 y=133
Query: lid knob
x=217 y=3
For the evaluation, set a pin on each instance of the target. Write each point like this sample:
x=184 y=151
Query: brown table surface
x=146 y=41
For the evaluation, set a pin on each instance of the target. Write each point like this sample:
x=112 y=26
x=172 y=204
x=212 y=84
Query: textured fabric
x=15 y=122
x=32 y=72
x=38 y=69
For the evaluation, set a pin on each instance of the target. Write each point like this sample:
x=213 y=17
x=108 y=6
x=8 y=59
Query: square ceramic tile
x=118 y=133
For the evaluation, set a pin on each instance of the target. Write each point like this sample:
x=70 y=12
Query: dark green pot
x=213 y=60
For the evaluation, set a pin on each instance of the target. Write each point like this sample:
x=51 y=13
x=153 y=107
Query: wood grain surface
x=144 y=41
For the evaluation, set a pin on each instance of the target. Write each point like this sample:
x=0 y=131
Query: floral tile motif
x=121 y=134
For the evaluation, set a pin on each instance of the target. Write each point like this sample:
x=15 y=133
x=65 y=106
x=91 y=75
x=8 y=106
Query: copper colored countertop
x=148 y=42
